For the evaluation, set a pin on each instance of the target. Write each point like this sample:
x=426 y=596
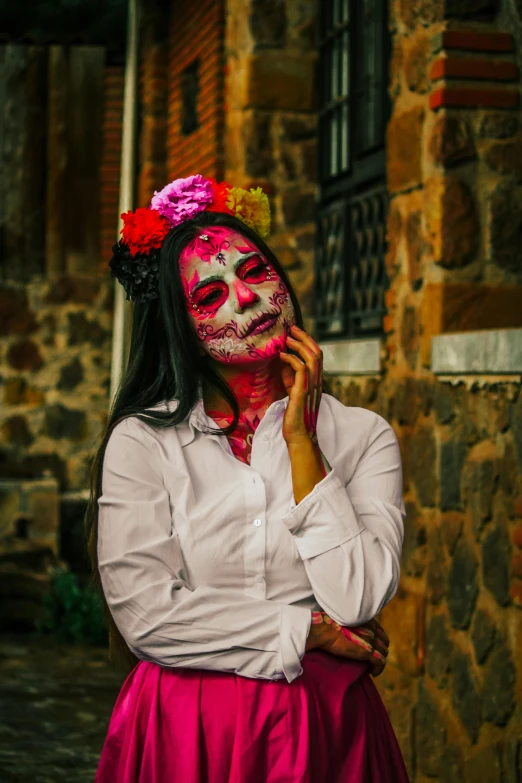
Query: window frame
x=365 y=174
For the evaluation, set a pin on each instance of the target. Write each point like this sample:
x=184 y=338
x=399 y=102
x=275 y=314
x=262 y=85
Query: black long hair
x=165 y=363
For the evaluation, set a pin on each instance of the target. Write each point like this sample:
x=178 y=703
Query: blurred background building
x=388 y=137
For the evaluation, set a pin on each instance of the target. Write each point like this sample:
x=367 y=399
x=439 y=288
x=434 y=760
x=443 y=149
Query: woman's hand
x=303 y=381
x=368 y=642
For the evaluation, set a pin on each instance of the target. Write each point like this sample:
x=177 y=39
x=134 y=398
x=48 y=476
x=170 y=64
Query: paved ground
x=55 y=705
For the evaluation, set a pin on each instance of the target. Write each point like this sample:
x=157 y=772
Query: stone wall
x=454 y=682
x=55 y=340
x=271 y=121
x=55 y=344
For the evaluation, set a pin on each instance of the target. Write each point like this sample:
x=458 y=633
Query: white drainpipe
x=122 y=313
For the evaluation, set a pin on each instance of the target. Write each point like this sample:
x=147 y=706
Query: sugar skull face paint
x=240 y=307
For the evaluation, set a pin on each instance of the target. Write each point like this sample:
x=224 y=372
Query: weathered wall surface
x=271 y=121
x=454 y=263
x=55 y=340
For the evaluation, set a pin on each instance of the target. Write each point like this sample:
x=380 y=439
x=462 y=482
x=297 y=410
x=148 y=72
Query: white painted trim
x=484 y=352
x=352 y=357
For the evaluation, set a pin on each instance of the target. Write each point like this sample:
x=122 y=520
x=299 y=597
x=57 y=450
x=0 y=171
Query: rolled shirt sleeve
x=350 y=536
x=160 y=616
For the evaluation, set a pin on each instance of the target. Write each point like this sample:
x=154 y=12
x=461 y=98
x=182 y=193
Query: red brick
x=459 y=68
x=451 y=96
x=475 y=42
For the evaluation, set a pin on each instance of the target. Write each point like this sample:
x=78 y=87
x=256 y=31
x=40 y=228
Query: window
x=354 y=109
x=189 y=98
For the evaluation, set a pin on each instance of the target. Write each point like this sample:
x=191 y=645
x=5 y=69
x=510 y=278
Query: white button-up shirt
x=208 y=563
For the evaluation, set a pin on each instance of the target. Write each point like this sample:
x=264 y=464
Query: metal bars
x=354 y=109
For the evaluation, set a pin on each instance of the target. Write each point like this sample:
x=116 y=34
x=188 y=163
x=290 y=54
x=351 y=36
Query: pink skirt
x=196 y=726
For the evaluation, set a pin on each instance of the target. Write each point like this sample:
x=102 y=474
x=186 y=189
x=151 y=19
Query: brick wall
x=196 y=33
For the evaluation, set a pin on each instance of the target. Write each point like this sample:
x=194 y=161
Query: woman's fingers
x=301 y=376
x=366 y=637
x=381 y=632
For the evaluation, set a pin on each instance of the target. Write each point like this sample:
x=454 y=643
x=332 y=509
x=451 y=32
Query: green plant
x=73 y=613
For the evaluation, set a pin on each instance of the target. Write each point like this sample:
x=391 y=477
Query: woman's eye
x=255 y=270
x=210 y=298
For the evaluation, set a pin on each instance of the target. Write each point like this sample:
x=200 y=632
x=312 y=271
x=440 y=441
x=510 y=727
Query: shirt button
x=265 y=438
x=258 y=522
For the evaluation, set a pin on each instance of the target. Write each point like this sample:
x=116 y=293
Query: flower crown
x=135 y=261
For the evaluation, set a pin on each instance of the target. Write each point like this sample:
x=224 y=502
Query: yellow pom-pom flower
x=252 y=207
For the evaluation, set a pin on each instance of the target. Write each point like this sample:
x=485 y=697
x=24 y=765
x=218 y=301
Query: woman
x=243 y=572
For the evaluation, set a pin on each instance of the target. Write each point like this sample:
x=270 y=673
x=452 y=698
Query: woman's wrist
x=306 y=466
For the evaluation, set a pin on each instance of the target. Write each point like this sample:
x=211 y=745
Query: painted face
x=240 y=307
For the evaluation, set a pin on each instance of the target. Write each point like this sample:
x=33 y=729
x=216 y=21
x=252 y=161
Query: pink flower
x=183 y=198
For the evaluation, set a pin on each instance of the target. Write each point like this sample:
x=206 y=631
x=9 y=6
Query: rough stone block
x=16 y=317
x=515 y=421
x=423 y=458
x=80 y=290
x=438 y=650
x=298 y=207
x=405 y=612
x=451 y=524
x=462 y=585
x=465 y=697
x=404 y=136
x=16 y=431
x=504 y=158
x=84 y=330
x=415 y=248
x=280 y=81
x=484 y=765
x=483 y=632
x=480 y=482
x=496 y=557
x=498 y=125
x=451 y=141
x=268 y=22
x=256 y=131
x=61 y=422
x=452 y=221
x=296 y=128
x=29 y=512
x=513 y=754
x=71 y=375
x=24 y=355
x=451 y=462
x=430 y=734
x=416 y=65
x=498 y=691
x=505 y=227
x=414 y=545
x=436 y=576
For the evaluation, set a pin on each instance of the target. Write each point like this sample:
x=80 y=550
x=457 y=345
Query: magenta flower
x=183 y=198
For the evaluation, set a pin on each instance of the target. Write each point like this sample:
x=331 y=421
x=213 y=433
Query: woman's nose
x=244 y=296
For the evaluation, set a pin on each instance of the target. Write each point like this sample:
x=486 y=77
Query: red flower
x=143 y=230
x=219 y=204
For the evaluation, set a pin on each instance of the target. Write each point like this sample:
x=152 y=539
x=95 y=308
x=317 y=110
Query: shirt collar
x=198 y=419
